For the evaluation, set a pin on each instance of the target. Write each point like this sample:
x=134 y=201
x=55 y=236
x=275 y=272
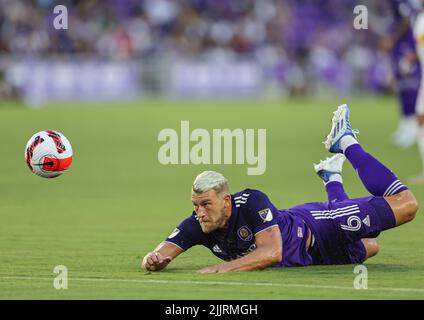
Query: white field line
x=226 y=283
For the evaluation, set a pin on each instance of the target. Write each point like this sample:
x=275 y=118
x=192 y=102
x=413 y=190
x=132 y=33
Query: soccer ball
x=48 y=153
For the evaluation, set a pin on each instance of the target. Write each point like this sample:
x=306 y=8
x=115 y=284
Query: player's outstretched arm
x=268 y=252
x=159 y=258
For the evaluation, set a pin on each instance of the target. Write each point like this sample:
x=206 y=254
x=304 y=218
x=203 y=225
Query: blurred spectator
x=298 y=42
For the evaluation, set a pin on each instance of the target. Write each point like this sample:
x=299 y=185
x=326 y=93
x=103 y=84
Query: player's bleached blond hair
x=208 y=180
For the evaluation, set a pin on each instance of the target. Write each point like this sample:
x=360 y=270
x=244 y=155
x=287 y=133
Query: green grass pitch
x=117 y=201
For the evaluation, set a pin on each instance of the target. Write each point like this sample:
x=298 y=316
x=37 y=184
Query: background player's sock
x=334 y=188
x=377 y=178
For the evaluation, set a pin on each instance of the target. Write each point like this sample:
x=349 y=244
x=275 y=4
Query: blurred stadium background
x=126 y=69
x=130 y=49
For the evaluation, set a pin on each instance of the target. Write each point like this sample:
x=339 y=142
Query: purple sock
x=407 y=101
x=335 y=191
x=377 y=178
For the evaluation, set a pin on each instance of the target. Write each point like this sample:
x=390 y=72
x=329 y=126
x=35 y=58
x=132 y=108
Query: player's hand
x=155 y=261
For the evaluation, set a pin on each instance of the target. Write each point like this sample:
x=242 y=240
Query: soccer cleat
x=340 y=128
x=326 y=168
x=407 y=132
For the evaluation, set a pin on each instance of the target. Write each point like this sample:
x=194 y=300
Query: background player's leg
x=420 y=178
x=406 y=133
x=421 y=140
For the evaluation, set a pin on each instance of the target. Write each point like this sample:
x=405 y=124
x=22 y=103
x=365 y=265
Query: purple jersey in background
x=407 y=73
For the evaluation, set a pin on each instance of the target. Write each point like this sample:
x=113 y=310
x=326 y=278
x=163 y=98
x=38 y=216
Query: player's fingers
x=150 y=261
x=155 y=257
x=164 y=260
x=151 y=268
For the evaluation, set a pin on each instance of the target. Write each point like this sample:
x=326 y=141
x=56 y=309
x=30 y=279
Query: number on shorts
x=353 y=224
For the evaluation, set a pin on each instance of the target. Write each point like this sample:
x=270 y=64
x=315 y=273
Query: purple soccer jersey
x=338 y=228
x=252 y=213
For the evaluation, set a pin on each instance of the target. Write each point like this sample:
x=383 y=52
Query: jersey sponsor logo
x=266 y=215
x=174 y=233
x=245 y=234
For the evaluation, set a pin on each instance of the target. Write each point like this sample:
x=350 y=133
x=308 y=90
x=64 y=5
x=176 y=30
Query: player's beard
x=211 y=226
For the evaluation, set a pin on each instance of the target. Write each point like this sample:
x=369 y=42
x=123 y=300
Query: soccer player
x=419 y=40
x=407 y=69
x=247 y=231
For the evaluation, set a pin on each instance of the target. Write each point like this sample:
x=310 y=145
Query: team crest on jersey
x=174 y=233
x=245 y=234
x=266 y=215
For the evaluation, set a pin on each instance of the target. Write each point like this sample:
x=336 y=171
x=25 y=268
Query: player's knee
x=404 y=206
x=412 y=207
x=421 y=120
x=371 y=246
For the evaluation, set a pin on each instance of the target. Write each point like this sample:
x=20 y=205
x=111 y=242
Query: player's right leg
x=377 y=178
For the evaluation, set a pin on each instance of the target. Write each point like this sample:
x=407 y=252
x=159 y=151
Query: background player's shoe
x=417 y=180
x=340 y=128
x=326 y=168
x=406 y=133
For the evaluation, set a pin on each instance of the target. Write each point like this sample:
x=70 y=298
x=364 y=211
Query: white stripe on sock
x=391 y=187
x=394 y=191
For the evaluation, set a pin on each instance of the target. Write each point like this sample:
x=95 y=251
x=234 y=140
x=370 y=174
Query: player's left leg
x=379 y=180
x=330 y=171
x=360 y=250
x=371 y=247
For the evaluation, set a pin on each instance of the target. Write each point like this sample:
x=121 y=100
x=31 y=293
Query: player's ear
x=227 y=200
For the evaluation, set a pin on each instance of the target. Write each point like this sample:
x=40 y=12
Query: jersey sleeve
x=187 y=234
x=263 y=214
